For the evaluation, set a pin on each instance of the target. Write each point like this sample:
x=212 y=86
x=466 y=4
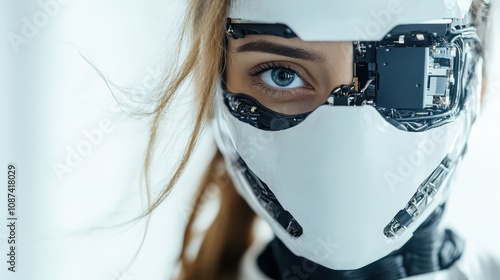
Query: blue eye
x=282 y=78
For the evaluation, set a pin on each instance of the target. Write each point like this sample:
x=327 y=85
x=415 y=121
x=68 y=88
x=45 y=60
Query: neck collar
x=430 y=249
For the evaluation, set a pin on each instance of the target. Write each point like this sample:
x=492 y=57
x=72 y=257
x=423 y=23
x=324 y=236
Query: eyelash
x=261 y=68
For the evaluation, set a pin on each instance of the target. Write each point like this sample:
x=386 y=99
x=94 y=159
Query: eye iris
x=283 y=77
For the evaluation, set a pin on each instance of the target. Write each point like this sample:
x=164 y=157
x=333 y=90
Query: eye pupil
x=283 y=77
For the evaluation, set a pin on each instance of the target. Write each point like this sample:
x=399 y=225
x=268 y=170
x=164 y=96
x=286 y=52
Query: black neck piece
x=430 y=249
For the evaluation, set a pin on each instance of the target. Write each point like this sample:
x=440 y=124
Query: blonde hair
x=230 y=234
x=204 y=63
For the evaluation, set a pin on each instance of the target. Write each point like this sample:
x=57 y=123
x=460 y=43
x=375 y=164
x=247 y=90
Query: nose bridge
x=341 y=63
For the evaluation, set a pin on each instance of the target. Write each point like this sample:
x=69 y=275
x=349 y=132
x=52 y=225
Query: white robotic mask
x=347 y=183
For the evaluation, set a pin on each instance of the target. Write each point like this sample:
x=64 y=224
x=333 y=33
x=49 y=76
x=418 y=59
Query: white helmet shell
x=319 y=20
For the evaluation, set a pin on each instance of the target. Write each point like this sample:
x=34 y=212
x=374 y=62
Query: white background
x=51 y=98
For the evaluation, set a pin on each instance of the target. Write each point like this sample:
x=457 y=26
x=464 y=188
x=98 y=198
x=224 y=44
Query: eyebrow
x=279 y=49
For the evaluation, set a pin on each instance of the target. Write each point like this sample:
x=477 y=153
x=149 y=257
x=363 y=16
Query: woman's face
x=289 y=76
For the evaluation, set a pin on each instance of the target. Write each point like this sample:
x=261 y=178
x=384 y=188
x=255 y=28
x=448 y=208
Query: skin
x=316 y=68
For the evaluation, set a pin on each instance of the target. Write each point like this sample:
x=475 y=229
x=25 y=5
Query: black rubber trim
x=269 y=202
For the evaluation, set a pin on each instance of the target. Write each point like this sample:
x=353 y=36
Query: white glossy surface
x=370 y=20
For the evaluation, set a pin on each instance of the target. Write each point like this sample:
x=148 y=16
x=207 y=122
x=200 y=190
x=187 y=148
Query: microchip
x=437 y=86
x=443 y=62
